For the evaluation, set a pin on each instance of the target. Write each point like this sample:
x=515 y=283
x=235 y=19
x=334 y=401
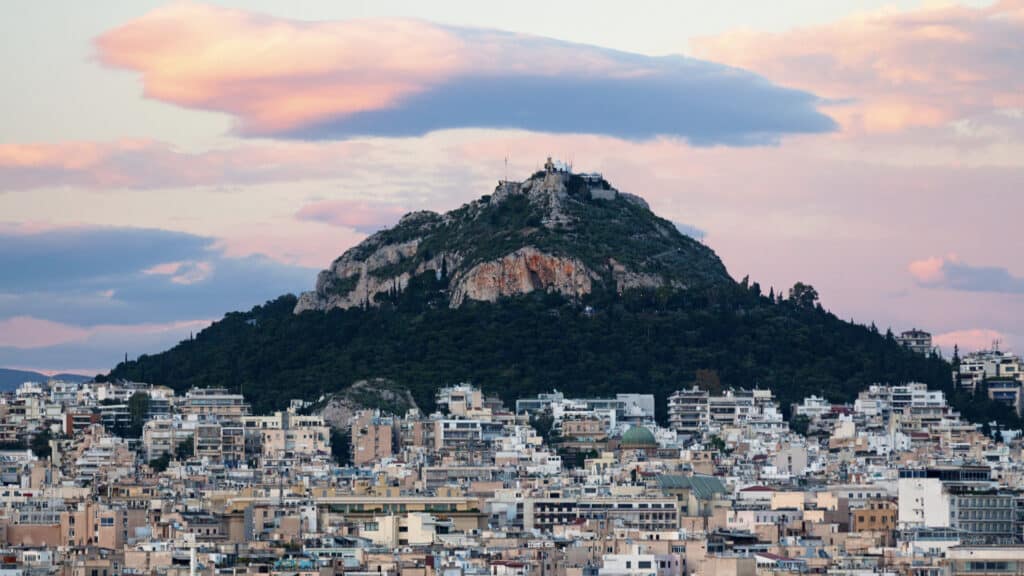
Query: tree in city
x=341 y=446
x=800 y=424
x=160 y=463
x=543 y=422
x=138 y=409
x=184 y=450
x=40 y=443
x=717 y=444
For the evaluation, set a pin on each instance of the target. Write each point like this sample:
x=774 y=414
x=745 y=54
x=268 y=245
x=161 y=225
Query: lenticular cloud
x=326 y=80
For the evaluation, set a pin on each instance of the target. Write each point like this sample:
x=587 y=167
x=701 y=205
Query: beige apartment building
x=373 y=437
x=287 y=434
x=412 y=529
x=215 y=402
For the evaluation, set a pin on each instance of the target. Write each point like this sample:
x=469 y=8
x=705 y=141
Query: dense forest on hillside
x=652 y=341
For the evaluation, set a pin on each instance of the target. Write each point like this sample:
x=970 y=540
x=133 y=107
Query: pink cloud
x=928 y=270
x=232 y=61
x=952 y=273
x=893 y=69
x=309 y=79
x=969 y=340
x=26 y=332
x=151 y=164
x=367 y=217
x=276 y=74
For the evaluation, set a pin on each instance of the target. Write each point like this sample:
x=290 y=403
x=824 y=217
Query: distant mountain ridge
x=11 y=378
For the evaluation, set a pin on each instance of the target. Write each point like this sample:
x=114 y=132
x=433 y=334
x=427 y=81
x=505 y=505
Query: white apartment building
x=627 y=407
x=988 y=364
x=813 y=408
x=880 y=400
x=458 y=434
x=640 y=562
x=694 y=410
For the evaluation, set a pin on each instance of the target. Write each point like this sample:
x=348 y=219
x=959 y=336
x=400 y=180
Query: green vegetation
x=543 y=424
x=160 y=463
x=341 y=446
x=643 y=341
x=40 y=443
x=342 y=286
x=800 y=424
x=185 y=449
x=717 y=444
x=138 y=407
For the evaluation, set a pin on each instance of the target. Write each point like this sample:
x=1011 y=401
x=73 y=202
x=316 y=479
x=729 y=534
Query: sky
x=163 y=163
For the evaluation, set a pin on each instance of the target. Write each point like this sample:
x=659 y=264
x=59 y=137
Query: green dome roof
x=638 y=436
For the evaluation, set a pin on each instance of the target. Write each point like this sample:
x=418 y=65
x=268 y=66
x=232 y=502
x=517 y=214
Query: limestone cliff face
x=554 y=232
x=522 y=272
x=348 y=282
x=364 y=272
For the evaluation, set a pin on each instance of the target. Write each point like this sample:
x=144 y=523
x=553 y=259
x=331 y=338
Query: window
x=643 y=564
x=987 y=566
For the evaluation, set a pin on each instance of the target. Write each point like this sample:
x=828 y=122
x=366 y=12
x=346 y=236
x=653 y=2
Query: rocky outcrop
x=554 y=232
x=522 y=272
x=375 y=394
x=626 y=279
x=351 y=281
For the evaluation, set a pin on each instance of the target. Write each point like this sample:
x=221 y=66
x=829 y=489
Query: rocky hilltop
x=557 y=231
x=611 y=298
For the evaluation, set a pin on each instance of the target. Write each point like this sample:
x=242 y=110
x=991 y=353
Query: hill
x=11 y=379
x=556 y=282
x=637 y=342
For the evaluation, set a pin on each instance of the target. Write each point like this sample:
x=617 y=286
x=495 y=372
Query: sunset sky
x=164 y=163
